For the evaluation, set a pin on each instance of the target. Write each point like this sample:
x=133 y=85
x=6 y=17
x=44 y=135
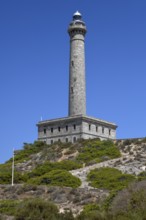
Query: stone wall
x=73 y=128
x=77 y=91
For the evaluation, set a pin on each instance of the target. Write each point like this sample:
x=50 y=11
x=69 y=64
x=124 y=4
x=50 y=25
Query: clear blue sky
x=34 y=65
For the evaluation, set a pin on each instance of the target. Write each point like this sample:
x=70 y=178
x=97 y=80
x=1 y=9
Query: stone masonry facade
x=71 y=129
x=77 y=82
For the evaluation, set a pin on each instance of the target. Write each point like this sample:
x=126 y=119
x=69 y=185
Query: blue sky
x=34 y=65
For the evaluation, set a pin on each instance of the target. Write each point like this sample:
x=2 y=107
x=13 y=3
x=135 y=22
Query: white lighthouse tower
x=77 y=125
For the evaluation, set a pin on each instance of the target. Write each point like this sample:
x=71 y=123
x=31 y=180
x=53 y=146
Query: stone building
x=77 y=125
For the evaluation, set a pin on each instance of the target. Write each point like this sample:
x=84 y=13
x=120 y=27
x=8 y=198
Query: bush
x=92 y=215
x=91 y=207
x=142 y=176
x=49 y=166
x=109 y=178
x=36 y=209
x=98 y=151
x=130 y=203
x=57 y=178
x=8 y=206
x=28 y=149
x=6 y=175
x=32 y=209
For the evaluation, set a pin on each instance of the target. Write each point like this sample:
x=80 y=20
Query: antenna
x=13 y=168
x=41 y=118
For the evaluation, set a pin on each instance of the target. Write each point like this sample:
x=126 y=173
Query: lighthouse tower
x=77 y=125
x=77 y=83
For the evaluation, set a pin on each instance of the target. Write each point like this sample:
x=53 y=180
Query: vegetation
x=109 y=178
x=28 y=149
x=57 y=178
x=96 y=151
x=49 y=166
x=127 y=199
x=33 y=209
x=92 y=215
x=130 y=203
x=6 y=175
x=142 y=176
x=8 y=206
x=36 y=209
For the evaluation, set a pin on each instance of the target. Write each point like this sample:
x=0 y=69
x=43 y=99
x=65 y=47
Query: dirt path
x=83 y=172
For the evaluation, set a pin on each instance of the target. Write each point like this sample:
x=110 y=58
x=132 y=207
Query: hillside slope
x=73 y=175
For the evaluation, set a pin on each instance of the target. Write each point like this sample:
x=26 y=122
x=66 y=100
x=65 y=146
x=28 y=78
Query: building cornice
x=76 y=118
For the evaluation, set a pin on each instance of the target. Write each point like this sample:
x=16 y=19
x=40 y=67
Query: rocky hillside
x=73 y=176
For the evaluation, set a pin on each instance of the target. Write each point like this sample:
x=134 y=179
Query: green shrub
x=98 y=151
x=49 y=166
x=142 y=176
x=92 y=215
x=28 y=149
x=33 y=209
x=109 y=178
x=107 y=202
x=130 y=203
x=6 y=175
x=91 y=207
x=8 y=206
x=36 y=209
x=57 y=178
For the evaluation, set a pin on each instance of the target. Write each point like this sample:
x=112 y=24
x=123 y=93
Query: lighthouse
x=77 y=125
x=77 y=82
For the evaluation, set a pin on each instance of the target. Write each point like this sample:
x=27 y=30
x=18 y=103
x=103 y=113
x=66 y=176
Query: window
x=74 y=140
x=58 y=140
x=66 y=127
x=72 y=63
x=51 y=141
x=72 y=90
x=44 y=130
x=102 y=130
x=89 y=127
x=74 y=127
x=66 y=140
x=59 y=129
x=96 y=128
x=109 y=131
x=51 y=130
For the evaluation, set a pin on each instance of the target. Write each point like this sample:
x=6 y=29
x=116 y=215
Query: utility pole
x=13 y=168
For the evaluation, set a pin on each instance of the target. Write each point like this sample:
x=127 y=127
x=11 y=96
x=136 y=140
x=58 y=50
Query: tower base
x=70 y=129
